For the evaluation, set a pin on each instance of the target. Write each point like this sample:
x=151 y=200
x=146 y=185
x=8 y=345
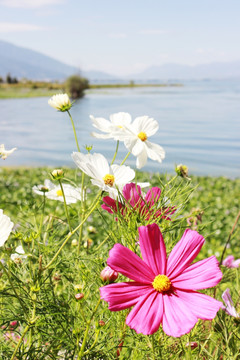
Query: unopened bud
x=88 y=147
x=13 y=324
x=78 y=287
x=108 y=275
x=74 y=242
x=57 y=174
x=182 y=170
x=79 y=296
x=192 y=344
x=101 y=323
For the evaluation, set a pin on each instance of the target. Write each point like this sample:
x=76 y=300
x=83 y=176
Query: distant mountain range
x=25 y=63
x=218 y=70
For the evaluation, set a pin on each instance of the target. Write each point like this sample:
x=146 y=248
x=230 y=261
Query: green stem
x=73 y=232
x=81 y=352
x=42 y=216
x=20 y=341
x=93 y=344
x=229 y=238
x=125 y=158
x=14 y=290
x=65 y=205
x=82 y=215
x=153 y=347
x=116 y=151
x=74 y=130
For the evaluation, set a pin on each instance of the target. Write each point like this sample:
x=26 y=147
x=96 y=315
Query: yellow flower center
x=161 y=283
x=120 y=126
x=59 y=193
x=142 y=136
x=108 y=179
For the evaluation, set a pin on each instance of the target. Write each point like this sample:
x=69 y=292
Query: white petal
x=154 y=151
x=121 y=119
x=141 y=159
x=5 y=227
x=138 y=148
x=123 y=174
x=101 y=123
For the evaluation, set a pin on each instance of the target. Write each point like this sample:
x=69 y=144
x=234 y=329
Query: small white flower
x=19 y=255
x=60 y=102
x=41 y=189
x=114 y=128
x=5 y=153
x=136 y=141
x=6 y=226
x=109 y=178
x=54 y=192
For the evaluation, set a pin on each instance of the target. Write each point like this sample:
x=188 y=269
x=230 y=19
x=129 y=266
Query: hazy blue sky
x=125 y=36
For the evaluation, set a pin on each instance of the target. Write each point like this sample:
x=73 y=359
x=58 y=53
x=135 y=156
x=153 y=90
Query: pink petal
x=132 y=193
x=111 y=205
x=177 y=319
x=146 y=316
x=121 y=296
x=202 y=306
x=129 y=264
x=153 y=248
x=184 y=252
x=201 y=275
x=152 y=196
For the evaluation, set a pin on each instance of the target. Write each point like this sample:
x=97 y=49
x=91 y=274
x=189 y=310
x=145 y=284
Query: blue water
x=198 y=126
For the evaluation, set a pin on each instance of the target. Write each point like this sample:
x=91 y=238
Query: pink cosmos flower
x=163 y=290
x=230 y=262
x=134 y=201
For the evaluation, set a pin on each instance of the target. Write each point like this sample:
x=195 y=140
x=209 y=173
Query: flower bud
x=88 y=147
x=101 y=323
x=13 y=325
x=108 y=275
x=182 y=170
x=74 y=242
x=192 y=344
x=57 y=174
x=79 y=296
x=78 y=287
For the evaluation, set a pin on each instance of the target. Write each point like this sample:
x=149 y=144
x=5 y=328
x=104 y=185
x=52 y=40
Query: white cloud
x=29 y=3
x=153 y=32
x=6 y=27
x=117 y=35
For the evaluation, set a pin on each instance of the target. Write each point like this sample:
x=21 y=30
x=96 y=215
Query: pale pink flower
x=230 y=262
x=146 y=207
x=229 y=308
x=163 y=290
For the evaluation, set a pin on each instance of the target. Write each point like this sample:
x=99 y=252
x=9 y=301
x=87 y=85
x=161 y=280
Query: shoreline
x=32 y=90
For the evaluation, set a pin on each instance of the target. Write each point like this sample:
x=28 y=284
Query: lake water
x=199 y=125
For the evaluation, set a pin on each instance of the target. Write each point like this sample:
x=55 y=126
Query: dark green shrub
x=75 y=86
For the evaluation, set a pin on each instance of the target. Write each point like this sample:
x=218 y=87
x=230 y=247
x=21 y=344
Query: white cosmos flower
x=19 y=255
x=5 y=153
x=60 y=102
x=109 y=178
x=136 y=140
x=6 y=226
x=54 y=192
x=117 y=125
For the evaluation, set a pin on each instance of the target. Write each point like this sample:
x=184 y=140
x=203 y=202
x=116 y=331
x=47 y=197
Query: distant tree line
x=9 y=79
x=74 y=85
